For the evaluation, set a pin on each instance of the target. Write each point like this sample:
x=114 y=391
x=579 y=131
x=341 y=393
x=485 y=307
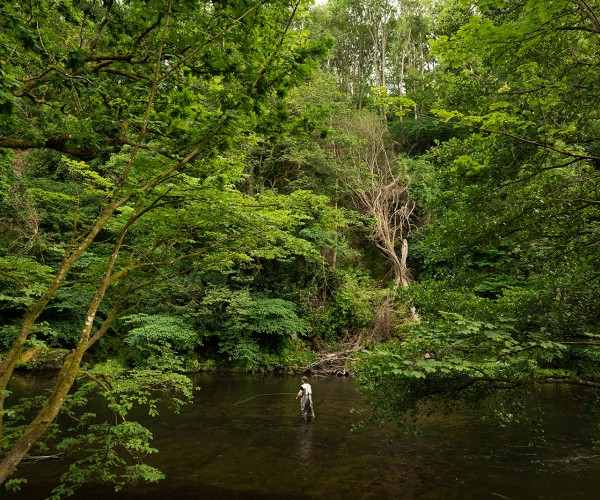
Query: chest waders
x=306 y=404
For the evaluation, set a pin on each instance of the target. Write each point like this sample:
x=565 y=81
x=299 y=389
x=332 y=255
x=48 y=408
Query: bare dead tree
x=376 y=187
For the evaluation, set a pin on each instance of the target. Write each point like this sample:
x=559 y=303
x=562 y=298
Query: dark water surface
x=223 y=447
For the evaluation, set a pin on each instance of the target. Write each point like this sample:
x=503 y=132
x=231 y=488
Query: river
x=243 y=438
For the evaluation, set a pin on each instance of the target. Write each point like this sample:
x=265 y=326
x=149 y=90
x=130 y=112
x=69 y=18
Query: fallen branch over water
x=335 y=363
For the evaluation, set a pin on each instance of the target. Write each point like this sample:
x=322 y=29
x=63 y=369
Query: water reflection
x=305 y=442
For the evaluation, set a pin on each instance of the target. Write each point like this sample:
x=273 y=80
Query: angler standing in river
x=306 y=403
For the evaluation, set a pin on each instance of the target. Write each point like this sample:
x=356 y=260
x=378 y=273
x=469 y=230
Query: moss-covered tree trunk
x=33 y=312
x=71 y=365
x=68 y=373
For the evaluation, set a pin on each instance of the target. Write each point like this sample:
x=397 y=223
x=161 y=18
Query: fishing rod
x=266 y=394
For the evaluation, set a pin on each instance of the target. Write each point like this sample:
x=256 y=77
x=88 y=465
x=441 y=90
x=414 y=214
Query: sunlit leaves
x=93 y=182
x=525 y=55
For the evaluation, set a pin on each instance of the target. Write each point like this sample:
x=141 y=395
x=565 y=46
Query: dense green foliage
x=188 y=185
x=512 y=211
x=132 y=125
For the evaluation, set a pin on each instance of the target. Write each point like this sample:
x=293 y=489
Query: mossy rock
x=42 y=359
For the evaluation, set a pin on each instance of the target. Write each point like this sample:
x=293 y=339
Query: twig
x=37 y=458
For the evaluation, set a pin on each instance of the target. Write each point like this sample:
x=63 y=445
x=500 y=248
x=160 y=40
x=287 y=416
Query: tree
x=153 y=94
x=508 y=261
x=379 y=43
x=372 y=174
x=352 y=55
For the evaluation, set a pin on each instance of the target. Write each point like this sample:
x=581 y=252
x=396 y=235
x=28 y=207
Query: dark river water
x=227 y=446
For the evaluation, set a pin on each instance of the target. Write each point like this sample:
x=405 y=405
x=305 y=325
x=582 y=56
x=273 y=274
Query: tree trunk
x=45 y=416
x=33 y=312
x=70 y=258
x=68 y=372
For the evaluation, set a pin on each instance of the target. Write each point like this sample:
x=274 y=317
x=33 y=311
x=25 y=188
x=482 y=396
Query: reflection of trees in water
x=305 y=442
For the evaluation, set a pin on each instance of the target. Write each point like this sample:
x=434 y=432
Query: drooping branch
x=537 y=144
